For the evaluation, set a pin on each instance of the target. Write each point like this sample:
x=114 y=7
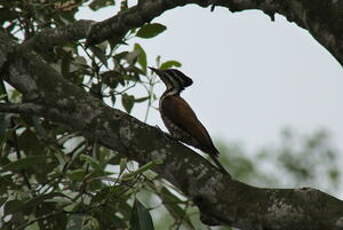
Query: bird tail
x=214 y=156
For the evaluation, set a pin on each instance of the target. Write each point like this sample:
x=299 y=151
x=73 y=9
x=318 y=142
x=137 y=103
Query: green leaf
x=123 y=164
x=141 y=99
x=128 y=102
x=132 y=57
x=98 y=4
x=77 y=174
x=120 y=56
x=91 y=161
x=147 y=166
x=142 y=61
x=140 y=218
x=150 y=30
x=111 y=78
x=169 y=197
x=170 y=64
x=100 y=54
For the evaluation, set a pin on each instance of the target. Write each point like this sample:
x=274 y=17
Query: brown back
x=181 y=114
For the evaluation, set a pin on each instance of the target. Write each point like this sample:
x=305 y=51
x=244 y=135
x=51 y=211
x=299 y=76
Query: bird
x=179 y=118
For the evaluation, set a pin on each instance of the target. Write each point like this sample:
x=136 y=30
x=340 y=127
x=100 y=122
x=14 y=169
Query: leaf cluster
x=51 y=178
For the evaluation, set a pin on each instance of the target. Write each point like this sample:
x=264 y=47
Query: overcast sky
x=252 y=76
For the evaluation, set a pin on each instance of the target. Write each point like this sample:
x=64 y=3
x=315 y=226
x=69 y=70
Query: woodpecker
x=178 y=116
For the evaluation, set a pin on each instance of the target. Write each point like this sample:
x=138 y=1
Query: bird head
x=173 y=78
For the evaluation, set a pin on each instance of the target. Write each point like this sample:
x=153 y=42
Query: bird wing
x=181 y=114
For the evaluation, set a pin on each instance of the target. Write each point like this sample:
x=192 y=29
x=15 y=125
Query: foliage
x=298 y=160
x=51 y=178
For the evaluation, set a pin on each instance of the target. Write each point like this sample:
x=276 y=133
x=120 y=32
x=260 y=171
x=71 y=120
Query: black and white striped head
x=173 y=79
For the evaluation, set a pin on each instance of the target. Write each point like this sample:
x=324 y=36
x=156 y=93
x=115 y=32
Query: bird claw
x=167 y=135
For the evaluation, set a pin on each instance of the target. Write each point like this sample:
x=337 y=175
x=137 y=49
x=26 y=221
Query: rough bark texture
x=221 y=199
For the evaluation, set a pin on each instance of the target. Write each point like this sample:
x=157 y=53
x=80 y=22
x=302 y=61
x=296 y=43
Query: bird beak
x=157 y=71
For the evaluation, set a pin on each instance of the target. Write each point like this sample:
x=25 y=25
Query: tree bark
x=221 y=199
x=322 y=18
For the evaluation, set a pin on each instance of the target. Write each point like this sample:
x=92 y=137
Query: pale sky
x=252 y=76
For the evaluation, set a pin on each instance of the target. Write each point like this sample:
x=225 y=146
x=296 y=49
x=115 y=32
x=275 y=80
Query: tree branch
x=28 y=108
x=221 y=199
x=323 y=19
x=118 y=25
x=49 y=38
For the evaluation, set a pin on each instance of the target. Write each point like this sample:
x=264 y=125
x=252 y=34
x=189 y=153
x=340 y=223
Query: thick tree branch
x=220 y=199
x=28 y=108
x=49 y=38
x=118 y=25
x=322 y=18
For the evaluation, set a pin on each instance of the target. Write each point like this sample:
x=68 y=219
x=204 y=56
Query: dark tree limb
x=221 y=199
x=322 y=18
